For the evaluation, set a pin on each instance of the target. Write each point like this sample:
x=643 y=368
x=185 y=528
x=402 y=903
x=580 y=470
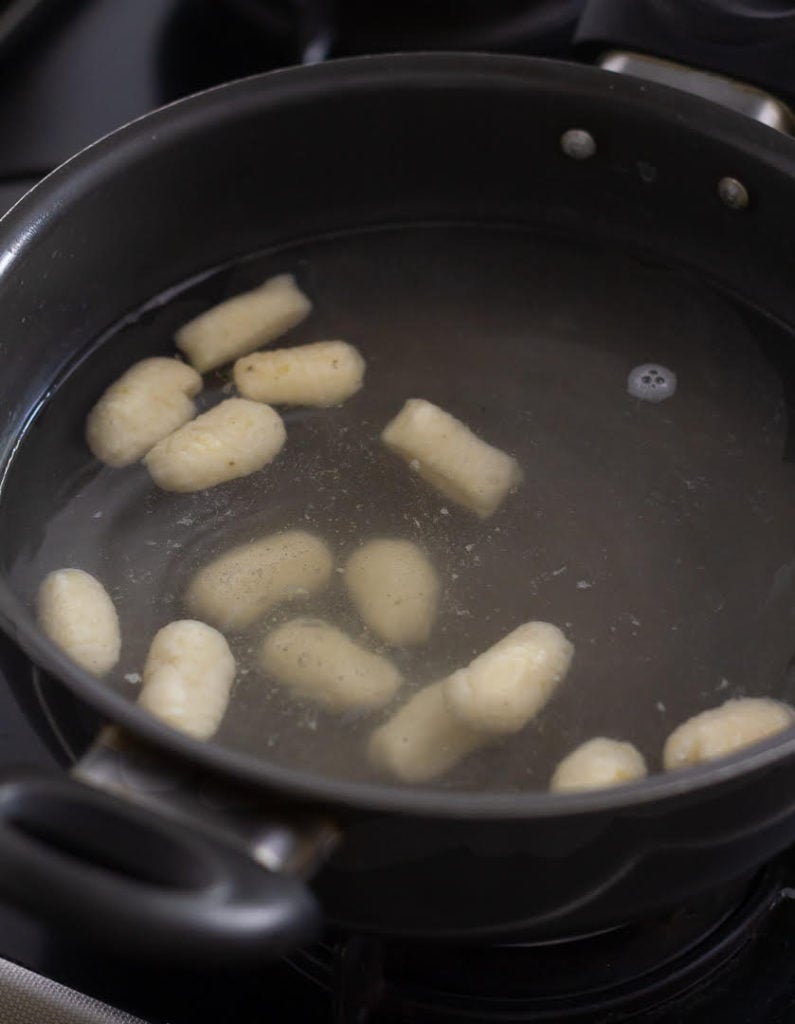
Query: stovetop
x=78 y=70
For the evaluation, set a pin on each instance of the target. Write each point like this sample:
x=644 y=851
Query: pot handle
x=739 y=38
x=147 y=885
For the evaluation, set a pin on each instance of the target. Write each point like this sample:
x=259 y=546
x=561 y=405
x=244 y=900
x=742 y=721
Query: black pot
x=368 y=142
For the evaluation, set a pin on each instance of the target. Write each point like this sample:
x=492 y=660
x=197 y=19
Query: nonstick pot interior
x=361 y=144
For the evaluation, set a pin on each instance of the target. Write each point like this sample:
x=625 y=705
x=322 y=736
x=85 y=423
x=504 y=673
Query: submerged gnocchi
x=423 y=739
x=238 y=325
x=395 y=590
x=321 y=663
x=497 y=694
x=245 y=583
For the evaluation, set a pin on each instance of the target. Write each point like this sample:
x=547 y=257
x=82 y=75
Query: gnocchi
x=599 y=763
x=319 y=662
x=232 y=440
x=723 y=730
x=245 y=583
x=77 y=614
x=451 y=458
x=147 y=403
x=395 y=590
x=503 y=688
x=322 y=374
x=187 y=677
x=423 y=739
x=243 y=323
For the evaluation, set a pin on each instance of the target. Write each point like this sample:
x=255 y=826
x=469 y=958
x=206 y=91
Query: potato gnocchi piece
x=503 y=688
x=322 y=374
x=77 y=614
x=723 y=730
x=395 y=590
x=239 y=325
x=423 y=739
x=245 y=583
x=450 y=457
x=321 y=663
x=147 y=403
x=231 y=440
x=188 y=676
x=599 y=763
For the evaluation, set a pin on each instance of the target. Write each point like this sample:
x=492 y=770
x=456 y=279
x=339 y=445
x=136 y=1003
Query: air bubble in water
x=651 y=382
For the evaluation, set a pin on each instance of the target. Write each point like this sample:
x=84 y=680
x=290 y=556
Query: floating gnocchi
x=726 y=729
x=245 y=583
x=451 y=458
x=147 y=403
x=319 y=662
x=497 y=694
x=322 y=374
x=231 y=440
x=395 y=590
x=243 y=323
x=77 y=614
x=188 y=677
x=423 y=739
x=503 y=688
x=597 y=764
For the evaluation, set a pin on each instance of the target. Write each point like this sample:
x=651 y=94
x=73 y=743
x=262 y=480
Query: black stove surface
x=76 y=70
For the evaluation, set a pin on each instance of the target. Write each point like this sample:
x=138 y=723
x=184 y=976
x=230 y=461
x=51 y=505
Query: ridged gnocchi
x=395 y=590
x=147 y=403
x=451 y=458
x=229 y=441
x=726 y=729
x=78 y=615
x=503 y=688
x=319 y=662
x=243 y=323
x=188 y=677
x=322 y=374
x=497 y=694
x=245 y=583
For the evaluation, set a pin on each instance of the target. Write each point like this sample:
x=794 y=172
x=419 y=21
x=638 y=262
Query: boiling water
x=659 y=535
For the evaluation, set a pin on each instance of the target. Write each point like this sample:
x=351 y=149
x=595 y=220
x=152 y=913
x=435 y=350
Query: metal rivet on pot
x=578 y=144
x=733 y=193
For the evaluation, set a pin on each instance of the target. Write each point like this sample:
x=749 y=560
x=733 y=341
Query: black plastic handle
x=752 y=40
x=81 y=859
